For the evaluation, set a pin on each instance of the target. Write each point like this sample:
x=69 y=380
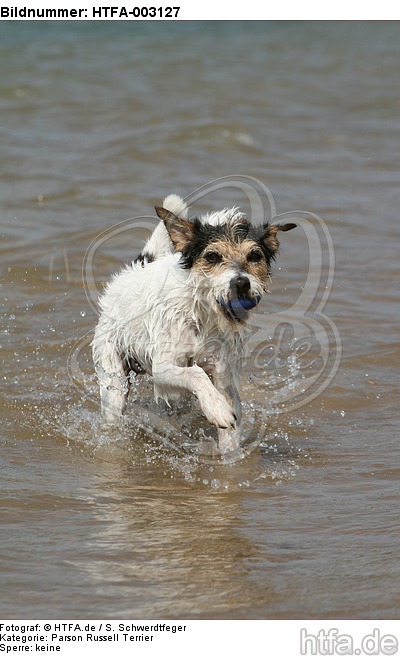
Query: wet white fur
x=168 y=320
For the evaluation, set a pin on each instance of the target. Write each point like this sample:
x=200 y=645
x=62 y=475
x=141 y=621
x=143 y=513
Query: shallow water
x=99 y=122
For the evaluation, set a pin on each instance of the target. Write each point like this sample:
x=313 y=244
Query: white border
x=195 y=637
x=206 y=10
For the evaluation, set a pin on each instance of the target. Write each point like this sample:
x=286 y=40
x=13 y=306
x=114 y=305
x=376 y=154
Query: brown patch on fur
x=234 y=254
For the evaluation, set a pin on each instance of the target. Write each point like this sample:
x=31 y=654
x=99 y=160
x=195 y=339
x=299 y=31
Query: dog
x=180 y=313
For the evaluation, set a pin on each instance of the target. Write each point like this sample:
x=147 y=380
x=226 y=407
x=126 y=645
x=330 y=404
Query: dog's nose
x=240 y=285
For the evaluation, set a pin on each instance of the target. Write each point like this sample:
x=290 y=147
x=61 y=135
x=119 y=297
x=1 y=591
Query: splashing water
x=177 y=440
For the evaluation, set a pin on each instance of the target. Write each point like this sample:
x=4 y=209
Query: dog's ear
x=269 y=235
x=181 y=232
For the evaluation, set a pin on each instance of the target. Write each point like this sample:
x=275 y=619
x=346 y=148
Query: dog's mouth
x=237 y=309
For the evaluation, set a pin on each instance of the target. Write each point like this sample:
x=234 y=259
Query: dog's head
x=230 y=257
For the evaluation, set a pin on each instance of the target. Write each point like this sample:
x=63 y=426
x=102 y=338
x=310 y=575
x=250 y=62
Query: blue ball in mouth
x=238 y=307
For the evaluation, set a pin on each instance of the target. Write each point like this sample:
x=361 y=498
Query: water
x=99 y=122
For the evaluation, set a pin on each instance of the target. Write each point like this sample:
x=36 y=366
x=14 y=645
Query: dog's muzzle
x=240 y=302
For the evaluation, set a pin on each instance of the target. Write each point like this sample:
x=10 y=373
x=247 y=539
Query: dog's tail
x=176 y=205
x=159 y=243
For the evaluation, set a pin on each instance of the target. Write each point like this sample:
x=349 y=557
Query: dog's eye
x=254 y=256
x=213 y=257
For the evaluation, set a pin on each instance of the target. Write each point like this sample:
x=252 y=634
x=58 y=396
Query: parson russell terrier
x=179 y=312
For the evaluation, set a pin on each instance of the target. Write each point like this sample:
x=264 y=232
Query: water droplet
x=83 y=313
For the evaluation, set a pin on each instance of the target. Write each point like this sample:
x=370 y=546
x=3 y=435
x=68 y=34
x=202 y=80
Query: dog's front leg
x=114 y=384
x=170 y=378
x=229 y=439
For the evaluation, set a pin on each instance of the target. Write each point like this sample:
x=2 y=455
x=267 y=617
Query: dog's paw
x=218 y=411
